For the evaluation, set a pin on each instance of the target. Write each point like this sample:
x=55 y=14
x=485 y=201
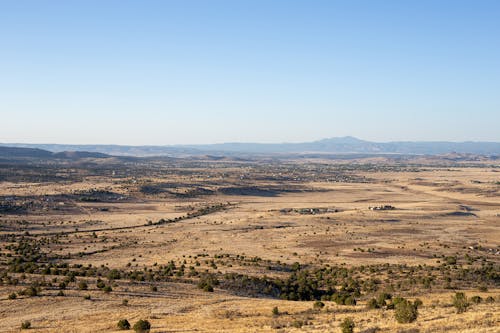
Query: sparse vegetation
x=160 y=230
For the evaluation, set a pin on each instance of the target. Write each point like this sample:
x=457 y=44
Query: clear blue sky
x=169 y=72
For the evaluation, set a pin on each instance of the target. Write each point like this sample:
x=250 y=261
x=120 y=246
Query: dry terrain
x=214 y=245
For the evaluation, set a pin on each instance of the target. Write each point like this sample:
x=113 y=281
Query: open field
x=214 y=245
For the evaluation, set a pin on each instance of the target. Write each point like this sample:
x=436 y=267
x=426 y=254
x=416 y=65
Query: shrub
x=318 y=305
x=372 y=304
x=298 y=323
x=347 y=326
x=418 y=303
x=114 y=274
x=125 y=302
x=123 y=324
x=207 y=282
x=394 y=302
x=31 y=291
x=350 y=301
x=82 y=285
x=100 y=284
x=276 y=311
x=382 y=298
x=490 y=299
x=476 y=299
x=142 y=326
x=87 y=297
x=460 y=302
x=405 y=312
x=12 y=296
x=107 y=289
x=25 y=325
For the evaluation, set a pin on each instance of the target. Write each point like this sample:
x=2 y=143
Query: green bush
x=460 y=302
x=405 y=312
x=25 y=325
x=207 y=282
x=318 y=305
x=114 y=274
x=418 y=303
x=12 y=296
x=82 y=285
x=350 y=301
x=31 y=291
x=382 y=298
x=123 y=324
x=476 y=299
x=100 y=284
x=347 y=326
x=395 y=301
x=276 y=311
x=372 y=304
x=142 y=326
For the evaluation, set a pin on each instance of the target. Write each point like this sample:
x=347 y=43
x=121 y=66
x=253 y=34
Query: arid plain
x=221 y=245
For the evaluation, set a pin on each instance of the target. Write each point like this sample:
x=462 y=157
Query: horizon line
x=247 y=142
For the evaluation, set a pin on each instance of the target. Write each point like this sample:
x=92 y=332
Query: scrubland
x=216 y=245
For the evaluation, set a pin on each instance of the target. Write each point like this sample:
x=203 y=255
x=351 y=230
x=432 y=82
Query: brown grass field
x=163 y=228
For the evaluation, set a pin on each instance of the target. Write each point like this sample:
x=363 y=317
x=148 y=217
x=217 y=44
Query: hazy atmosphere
x=186 y=72
x=249 y=166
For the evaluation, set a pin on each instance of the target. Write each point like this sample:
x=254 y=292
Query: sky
x=210 y=71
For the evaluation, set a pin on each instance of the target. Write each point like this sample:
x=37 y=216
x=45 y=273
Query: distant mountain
x=37 y=153
x=341 y=145
x=14 y=152
x=113 y=150
x=79 y=154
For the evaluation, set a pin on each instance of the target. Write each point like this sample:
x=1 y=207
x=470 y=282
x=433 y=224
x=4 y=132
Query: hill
x=37 y=153
x=342 y=145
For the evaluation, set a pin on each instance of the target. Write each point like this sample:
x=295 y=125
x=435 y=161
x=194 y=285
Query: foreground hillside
x=250 y=246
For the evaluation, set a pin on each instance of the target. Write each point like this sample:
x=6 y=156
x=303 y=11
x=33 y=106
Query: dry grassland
x=229 y=219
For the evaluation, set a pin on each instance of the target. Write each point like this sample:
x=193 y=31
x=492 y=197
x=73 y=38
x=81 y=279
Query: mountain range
x=339 y=145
